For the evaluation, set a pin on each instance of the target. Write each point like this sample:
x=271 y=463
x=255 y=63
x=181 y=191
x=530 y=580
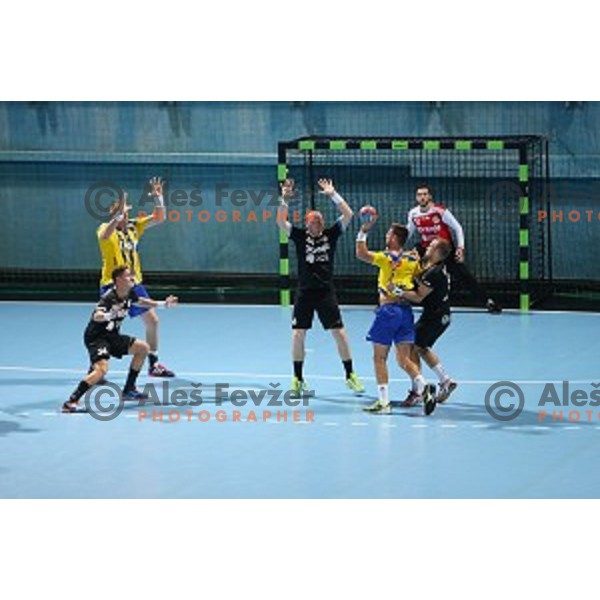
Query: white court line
x=359 y=424
x=389 y=425
x=419 y=426
x=42 y=370
x=187 y=305
x=330 y=424
x=449 y=426
x=543 y=427
x=359 y=307
x=480 y=426
x=572 y=427
x=28 y=369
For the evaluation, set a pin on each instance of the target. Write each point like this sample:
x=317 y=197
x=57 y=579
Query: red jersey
x=436 y=221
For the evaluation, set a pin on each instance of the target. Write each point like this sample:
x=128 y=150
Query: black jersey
x=111 y=304
x=436 y=303
x=316 y=256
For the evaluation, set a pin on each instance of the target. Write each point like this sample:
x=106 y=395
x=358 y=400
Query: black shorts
x=105 y=347
x=324 y=302
x=428 y=329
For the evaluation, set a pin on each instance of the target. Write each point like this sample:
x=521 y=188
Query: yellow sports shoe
x=298 y=386
x=378 y=407
x=354 y=383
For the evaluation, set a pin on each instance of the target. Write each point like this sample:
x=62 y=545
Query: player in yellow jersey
x=118 y=240
x=394 y=321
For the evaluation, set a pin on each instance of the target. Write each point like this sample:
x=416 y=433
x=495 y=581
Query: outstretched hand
x=367 y=225
x=171 y=301
x=326 y=186
x=287 y=190
x=156 y=186
x=124 y=208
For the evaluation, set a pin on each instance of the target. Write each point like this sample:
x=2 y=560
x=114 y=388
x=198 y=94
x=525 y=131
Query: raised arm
x=119 y=216
x=362 y=250
x=158 y=216
x=287 y=192
x=327 y=188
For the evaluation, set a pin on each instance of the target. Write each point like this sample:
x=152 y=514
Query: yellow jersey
x=120 y=249
x=401 y=269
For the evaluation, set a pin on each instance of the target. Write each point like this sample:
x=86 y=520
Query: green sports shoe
x=378 y=407
x=298 y=386
x=354 y=383
x=429 y=400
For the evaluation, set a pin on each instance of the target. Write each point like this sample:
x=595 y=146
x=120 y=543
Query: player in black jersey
x=432 y=294
x=103 y=338
x=315 y=249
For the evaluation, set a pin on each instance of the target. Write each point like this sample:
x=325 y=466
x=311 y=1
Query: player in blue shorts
x=118 y=240
x=394 y=321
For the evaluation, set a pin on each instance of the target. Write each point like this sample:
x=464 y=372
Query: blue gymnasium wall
x=51 y=152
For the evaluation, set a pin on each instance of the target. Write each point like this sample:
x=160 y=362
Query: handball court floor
x=459 y=452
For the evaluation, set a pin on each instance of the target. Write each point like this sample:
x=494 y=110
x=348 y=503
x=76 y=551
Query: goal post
x=495 y=186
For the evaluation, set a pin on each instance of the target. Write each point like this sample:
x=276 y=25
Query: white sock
x=419 y=383
x=383 y=393
x=414 y=386
x=439 y=371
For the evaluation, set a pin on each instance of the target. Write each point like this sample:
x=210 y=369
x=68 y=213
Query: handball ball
x=367 y=214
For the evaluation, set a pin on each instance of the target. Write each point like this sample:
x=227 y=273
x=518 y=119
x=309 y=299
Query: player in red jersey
x=431 y=221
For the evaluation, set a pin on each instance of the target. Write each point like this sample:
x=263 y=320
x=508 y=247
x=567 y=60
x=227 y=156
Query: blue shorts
x=394 y=324
x=140 y=290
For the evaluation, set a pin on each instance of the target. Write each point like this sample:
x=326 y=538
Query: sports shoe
x=134 y=396
x=159 y=370
x=378 y=407
x=429 y=399
x=493 y=307
x=411 y=400
x=354 y=383
x=72 y=408
x=298 y=386
x=445 y=389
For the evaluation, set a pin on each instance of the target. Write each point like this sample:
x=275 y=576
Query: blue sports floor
x=459 y=452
